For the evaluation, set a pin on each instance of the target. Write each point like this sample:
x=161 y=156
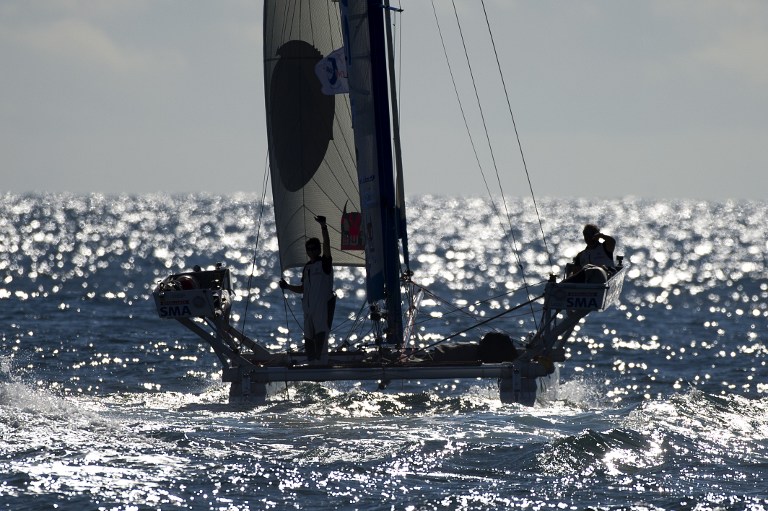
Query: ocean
x=662 y=403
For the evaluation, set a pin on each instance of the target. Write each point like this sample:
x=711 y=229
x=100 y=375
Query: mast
x=399 y=184
x=366 y=58
x=389 y=203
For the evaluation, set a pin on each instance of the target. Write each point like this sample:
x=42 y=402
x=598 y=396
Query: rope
x=475 y=304
x=463 y=113
x=264 y=183
x=494 y=207
x=517 y=135
x=493 y=157
x=463 y=310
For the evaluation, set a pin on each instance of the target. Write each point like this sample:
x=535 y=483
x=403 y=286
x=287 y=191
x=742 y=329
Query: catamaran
x=334 y=150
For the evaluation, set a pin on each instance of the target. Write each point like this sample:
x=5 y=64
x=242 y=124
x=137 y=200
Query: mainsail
x=320 y=164
x=311 y=145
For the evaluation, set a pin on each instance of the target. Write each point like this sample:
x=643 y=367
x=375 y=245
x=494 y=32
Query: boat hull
x=519 y=382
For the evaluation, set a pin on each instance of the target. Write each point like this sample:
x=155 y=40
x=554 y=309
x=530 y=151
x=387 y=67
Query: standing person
x=595 y=262
x=318 y=300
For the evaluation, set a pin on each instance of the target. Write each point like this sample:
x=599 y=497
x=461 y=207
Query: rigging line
x=517 y=134
x=339 y=326
x=449 y=316
x=493 y=157
x=356 y=323
x=396 y=49
x=288 y=308
x=476 y=303
x=453 y=308
x=264 y=183
x=463 y=113
x=493 y=318
x=431 y=320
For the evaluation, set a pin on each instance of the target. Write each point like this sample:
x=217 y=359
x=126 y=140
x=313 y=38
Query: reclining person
x=595 y=263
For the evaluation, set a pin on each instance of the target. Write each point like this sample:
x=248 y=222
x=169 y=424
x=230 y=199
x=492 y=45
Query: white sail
x=311 y=147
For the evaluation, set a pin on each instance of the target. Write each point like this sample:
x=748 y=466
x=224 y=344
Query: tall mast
x=389 y=210
x=399 y=184
x=365 y=49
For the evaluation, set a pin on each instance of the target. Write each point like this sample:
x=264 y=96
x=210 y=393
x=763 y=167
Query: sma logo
x=175 y=311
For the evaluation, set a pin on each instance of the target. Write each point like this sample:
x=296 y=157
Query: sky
x=611 y=98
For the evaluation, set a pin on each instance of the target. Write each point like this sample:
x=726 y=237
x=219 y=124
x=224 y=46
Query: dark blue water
x=663 y=403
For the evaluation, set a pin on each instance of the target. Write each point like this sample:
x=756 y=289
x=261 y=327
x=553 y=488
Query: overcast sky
x=658 y=99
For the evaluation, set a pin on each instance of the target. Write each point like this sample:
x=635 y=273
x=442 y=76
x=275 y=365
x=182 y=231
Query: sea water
x=662 y=403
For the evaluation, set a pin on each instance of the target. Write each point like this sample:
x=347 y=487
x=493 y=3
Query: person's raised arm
x=608 y=242
x=326 y=237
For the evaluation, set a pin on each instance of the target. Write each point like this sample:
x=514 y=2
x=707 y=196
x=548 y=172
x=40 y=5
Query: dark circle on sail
x=301 y=116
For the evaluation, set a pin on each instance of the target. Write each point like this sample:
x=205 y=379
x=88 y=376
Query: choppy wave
x=359 y=449
x=663 y=403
